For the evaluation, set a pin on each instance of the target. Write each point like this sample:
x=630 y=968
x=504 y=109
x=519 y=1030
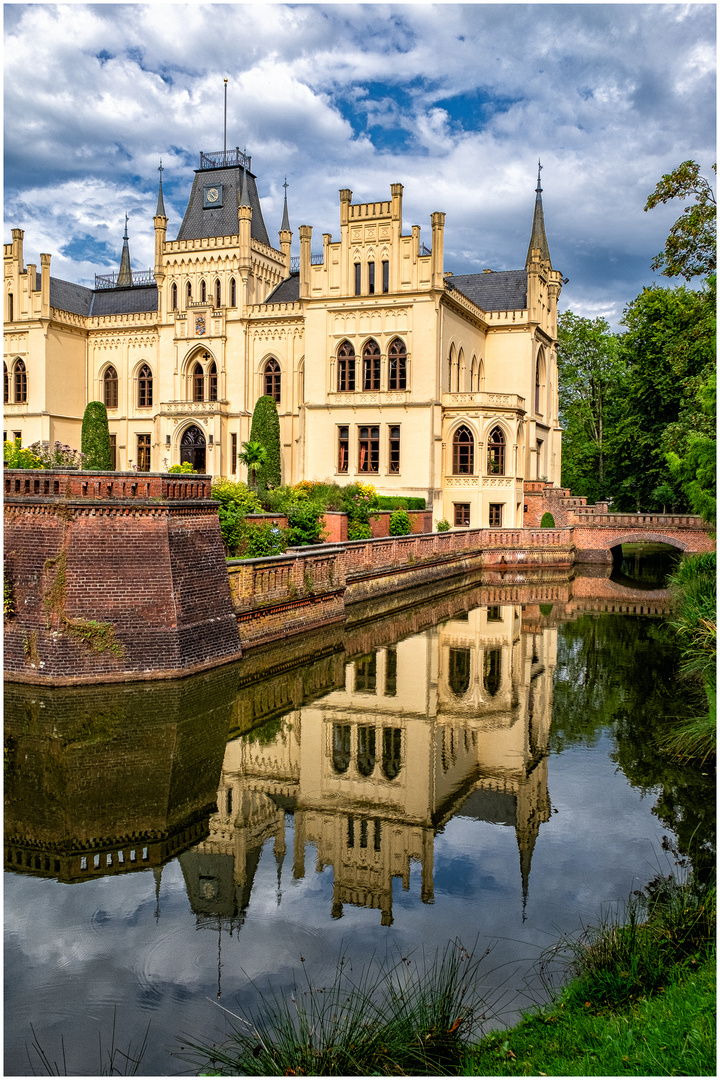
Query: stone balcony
x=483 y=399
x=193 y=408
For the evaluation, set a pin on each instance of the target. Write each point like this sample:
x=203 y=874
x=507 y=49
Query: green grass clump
x=389 y=1019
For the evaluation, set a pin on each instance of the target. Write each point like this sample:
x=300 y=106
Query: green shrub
x=56 y=455
x=443 y=525
x=304 y=525
x=95 y=442
x=265 y=429
x=260 y=541
x=547 y=521
x=358 y=530
x=399 y=502
x=400 y=523
x=186 y=467
x=236 y=500
x=19 y=457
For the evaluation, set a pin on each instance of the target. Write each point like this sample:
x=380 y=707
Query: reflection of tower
x=453 y=720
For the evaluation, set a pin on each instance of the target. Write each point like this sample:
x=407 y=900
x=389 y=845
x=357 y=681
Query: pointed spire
x=160 y=212
x=244 y=197
x=286 y=220
x=538 y=239
x=125 y=275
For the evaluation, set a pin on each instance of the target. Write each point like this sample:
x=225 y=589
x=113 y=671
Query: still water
x=479 y=766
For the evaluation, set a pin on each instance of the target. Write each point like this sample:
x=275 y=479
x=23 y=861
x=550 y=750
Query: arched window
x=397 y=365
x=173 y=297
x=538 y=385
x=145 y=387
x=271 y=380
x=346 y=367
x=110 y=388
x=341 y=747
x=366 y=749
x=391 y=759
x=192 y=447
x=218 y=293
x=496 y=452
x=233 y=293
x=463 y=452
x=459 y=671
x=203 y=292
x=11 y=308
x=20 y=382
x=188 y=292
x=492 y=671
x=371 y=366
x=212 y=382
x=6 y=384
x=198 y=382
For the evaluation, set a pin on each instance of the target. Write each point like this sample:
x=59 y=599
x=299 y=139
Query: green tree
x=254 y=455
x=690 y=248
x=265 y=429
x=668 y=344
x=95 y=438
x=590 y=375
x=693 y=461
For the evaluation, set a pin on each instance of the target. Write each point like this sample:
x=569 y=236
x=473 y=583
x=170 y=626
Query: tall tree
x=253 y=455
x=265 y=429
x=690 y=249
x=95 y=437
x=590 y=375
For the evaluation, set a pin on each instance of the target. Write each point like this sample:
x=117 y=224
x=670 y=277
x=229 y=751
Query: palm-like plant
x=253 y=454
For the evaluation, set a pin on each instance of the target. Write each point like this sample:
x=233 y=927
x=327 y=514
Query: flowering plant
x=55 y=455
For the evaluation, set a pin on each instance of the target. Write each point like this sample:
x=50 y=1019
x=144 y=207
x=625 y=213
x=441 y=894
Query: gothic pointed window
x=463 y=452
x=20 y=383
x=391 y=759
x=271 y=380
x=145 y=387
x=366 y=749
x=346 y=368
x=496 y=453
x=173 y=297
x=459 y=671
x=233 y=293
x=198 y=382
x=11 y=308
x=492 y=671
x=110 y=388
x=188 y=292
x=397 y=365
x=212 y=382
x=6 y=385
x=203 y=292
x=371 y=366
x=218 y=293
x=537 y=386
x=341 y=747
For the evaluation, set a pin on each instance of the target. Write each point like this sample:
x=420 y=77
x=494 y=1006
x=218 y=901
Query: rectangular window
x=233 y=453
x=496 y=514
x=371 y=278
x=368 y=449
x=358 y=278
x=143 y=453
x=366 y=674
x=494 y=613
x=113 y=453
x=394 y=449
x=343 y=448
x=391 y=672
x=462 y=514
x=17 y=436
x=386 y=275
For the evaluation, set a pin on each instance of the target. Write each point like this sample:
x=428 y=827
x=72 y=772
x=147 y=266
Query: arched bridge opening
x=644 y=563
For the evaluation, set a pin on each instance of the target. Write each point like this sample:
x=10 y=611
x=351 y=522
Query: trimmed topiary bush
x=400 y=523
x=95 y=443
x=443 y=525
x=399 y=502
x=358 y=530
x=265 y=429
x=547 y=521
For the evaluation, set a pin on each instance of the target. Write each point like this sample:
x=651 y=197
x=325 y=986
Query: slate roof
x=79 y=300
x=287 y=292
x=223 y=221
x=500 y=290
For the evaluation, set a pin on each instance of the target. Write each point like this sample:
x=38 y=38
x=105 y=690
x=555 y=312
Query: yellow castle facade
x=386 y=368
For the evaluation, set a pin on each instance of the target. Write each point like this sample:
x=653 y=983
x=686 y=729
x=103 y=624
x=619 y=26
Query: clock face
x=212 y=196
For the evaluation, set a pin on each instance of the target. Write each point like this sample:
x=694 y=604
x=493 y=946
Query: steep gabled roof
x=199 y=222
x=499 y=290
x=287 y=292
x=79 y=300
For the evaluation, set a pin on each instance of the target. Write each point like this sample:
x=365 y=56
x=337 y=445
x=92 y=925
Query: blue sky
x=456 y=102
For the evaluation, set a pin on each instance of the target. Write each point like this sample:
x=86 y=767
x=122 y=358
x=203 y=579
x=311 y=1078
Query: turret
x=244 y=211
x=538 y=250
x=285 y=233
x=125 y=274
x=160 y=222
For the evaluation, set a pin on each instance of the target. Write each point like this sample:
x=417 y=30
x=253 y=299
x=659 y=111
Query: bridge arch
x=636 y=537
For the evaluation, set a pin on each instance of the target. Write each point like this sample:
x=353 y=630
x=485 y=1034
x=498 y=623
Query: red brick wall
x=152 y=568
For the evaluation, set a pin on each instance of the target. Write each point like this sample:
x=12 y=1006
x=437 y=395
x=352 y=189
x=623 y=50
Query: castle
x=385 y=367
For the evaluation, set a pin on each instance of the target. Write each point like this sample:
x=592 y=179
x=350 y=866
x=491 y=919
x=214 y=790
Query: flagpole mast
x=225 y=125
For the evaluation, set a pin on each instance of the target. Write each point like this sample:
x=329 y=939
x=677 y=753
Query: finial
x=126 y=221
x=160 y=211
x=538 y=188
x=285 y=220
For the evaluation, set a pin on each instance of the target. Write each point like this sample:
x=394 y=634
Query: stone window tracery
x=272 y=380
x=110 y=388
x=463 y=452
x=145 y=387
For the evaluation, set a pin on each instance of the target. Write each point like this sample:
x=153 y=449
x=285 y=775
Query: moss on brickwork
x=98 y=636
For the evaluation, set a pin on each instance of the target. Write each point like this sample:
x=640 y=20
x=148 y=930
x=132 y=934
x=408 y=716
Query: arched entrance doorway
x=192 y=448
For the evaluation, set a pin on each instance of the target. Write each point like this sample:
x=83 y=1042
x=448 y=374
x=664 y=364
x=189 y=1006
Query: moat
x=479 y=765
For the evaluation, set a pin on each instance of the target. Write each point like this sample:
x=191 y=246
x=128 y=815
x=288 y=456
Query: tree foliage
x=590 y=376
x=690 y=249
x=95 y=439
x=265 y=429
x=253 y=455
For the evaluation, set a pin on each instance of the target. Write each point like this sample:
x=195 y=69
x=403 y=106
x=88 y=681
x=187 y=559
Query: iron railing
x=225 y=159
x=110 y=281
x=315 y=260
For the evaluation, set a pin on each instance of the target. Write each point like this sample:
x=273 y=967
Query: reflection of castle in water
x=453 y=721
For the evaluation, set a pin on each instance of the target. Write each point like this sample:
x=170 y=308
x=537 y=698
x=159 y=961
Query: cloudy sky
x=456 y=102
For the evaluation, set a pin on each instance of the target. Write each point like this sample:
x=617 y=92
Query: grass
x=640 y=1000
x=112 y=1061
x=392 y=1018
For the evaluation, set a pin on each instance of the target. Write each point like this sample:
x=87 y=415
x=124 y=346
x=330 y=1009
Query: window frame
x=497 y=442
x=358 y=279
x=463 y=452
x=372 y=364
x=111 y=397
x=495 y=515
x=197 y=376
x=144 y=451
x=461 y=515
x=145 y=387
x=397 y=365
x=369 y=449
x=272 y=379
x=346 y=368
x=343 y=448
x=394 y=449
